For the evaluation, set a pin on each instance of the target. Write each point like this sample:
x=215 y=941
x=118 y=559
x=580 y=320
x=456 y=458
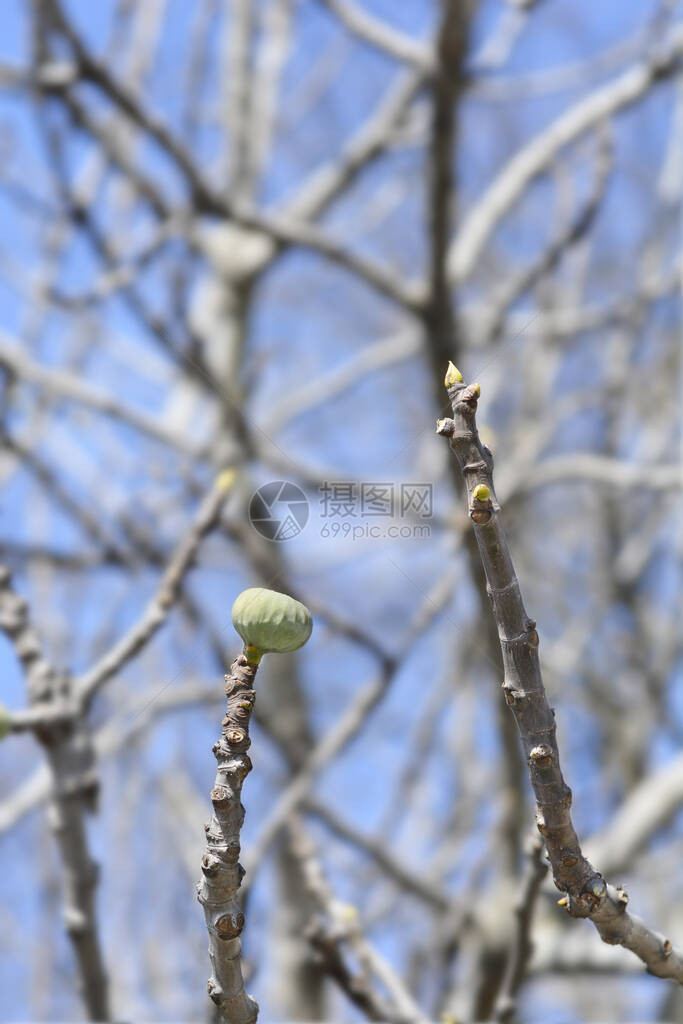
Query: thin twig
x=336 y=925
x=382 y=36
x=61 y=384
x=522 y=948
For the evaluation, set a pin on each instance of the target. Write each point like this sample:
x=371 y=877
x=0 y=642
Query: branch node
x=541 y=756
x=229 y=926
x=445 y=427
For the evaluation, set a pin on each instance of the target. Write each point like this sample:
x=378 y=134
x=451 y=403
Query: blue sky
x=308 y=318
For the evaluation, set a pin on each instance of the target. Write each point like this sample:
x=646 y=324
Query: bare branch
x=221 y=871
x=167 y=594
x=238 y=33
x=339 y=735
x=602 y=470
x=308 y=396
x=408 y=880
x=522 y=281
x=60 y=384
x=382 y=36
x=373 y=138
x=69 y=751
x=588 y=895
x=144 y=711
x=338 y=923
x=646 y=809
x=522 y=947
x=535 y=157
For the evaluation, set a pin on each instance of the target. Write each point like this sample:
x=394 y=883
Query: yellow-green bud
x=226 y=479
x=453 y=376
x=270 y=622
x=481 y=493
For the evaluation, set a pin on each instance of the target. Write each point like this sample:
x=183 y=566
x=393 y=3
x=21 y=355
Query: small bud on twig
x=453 y=376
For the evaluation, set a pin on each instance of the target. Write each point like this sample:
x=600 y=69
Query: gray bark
x=221 y=871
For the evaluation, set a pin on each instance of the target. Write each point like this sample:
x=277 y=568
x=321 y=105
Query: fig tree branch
x=221 y=871
x=587 y=893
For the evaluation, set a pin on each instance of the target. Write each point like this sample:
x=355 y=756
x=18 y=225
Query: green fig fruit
x=270 y=622
x=5 y=721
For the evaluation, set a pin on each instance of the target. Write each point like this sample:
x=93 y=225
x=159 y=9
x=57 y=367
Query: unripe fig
x=271 y=622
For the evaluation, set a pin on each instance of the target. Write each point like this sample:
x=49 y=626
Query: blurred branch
x=124 y=273
x=317 y=392
x=239 y=81
x=407 y=879
x=514 y=88
x=383 y=37
x=522 y=948
x=60 y=384
x=642 y=814
x=270 y=64
x=600 y=469
x=564 y=321
x=446 y=89
x=522 y=281
x=497 y=47
x=68 y=747
x=284 y=232
x=167 y=594
x=340 y=735
x=131 y=722
x=535 y=157
x=338 y=924
x=92 y=70
x=88 y=520
x=325 y=184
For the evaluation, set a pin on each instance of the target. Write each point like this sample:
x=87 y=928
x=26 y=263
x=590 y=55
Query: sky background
x=308 y=319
